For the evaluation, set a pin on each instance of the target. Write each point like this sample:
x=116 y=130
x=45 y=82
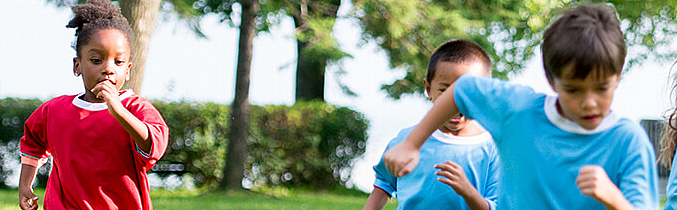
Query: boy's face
x=105 y=58
x=585 y=101
x=446 y=73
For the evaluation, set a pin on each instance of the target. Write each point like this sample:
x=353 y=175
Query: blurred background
x=328 y=83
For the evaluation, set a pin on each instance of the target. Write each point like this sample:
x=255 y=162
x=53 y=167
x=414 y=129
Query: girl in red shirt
x=102 y=141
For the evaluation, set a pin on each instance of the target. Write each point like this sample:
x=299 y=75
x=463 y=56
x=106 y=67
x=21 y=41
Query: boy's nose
x=589 y=102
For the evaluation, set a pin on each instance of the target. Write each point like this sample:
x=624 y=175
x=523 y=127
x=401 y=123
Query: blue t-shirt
x=671 y=189
x=542 y=152
x=421 y=190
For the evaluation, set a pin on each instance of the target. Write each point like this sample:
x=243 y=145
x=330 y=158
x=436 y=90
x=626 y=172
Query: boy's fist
x=593 y=181
x=401 y=159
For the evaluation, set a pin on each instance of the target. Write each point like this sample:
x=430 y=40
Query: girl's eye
x=119 y=63
x=570 y=91
x=602 y=89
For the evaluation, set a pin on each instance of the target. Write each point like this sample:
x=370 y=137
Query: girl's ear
x=129 y=68
x=76 y=67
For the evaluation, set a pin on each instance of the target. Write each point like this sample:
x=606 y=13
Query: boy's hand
x=401 y=159
x=455 y=178
x=27 y=199
x=593 y=181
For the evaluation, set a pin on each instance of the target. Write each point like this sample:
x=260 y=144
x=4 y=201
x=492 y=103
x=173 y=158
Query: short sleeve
x=490 y=101
x=157 y=129
x=638 y=173
x=384 y=179
x=34 y=144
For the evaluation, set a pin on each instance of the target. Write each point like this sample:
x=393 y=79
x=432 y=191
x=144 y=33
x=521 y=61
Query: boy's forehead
x=474 y=67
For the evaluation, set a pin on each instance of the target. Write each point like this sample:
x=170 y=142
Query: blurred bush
x=307 y=144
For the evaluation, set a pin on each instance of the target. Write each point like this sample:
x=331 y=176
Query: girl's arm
x=27 y=199
x=403 y=157
x=593 y=181
x=135 y=127
x=377 y=199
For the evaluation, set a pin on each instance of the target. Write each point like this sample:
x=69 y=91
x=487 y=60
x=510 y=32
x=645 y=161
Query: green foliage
x=13 y=113
x=509 y=30
x=308 y=144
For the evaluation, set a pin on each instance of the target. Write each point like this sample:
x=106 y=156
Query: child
x=464 y=152
x=669 y=142
x=558 y=152
x=102 y=141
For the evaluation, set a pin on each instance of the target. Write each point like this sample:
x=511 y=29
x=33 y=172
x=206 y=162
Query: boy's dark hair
x=458 y=51
x=585 y=39
x=97 y=15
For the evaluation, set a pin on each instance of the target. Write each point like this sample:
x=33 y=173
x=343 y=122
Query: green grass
x=270 y=199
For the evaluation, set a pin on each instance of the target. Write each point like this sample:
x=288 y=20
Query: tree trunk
x=238 y=134
x=309 y=75
x=310 y=70
x=141 y=15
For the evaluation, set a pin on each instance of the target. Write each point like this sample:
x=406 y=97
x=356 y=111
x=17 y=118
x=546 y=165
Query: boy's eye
x=95 y=60
x=119 y=63
x=602 y=89
x=442 y=90
x=570 y=90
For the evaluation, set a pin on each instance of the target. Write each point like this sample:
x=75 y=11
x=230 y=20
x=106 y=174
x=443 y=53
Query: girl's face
x=105 y=58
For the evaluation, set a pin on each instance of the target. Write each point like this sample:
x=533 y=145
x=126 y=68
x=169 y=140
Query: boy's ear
x=427 y=88
x=76 y=67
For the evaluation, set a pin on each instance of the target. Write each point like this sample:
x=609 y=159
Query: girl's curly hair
x=97 y=15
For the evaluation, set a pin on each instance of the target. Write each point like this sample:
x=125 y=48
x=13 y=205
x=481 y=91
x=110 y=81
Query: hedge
x=307 y=144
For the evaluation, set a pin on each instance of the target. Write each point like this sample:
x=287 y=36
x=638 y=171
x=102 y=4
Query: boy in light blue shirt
x=558 y=152
x=459 y=162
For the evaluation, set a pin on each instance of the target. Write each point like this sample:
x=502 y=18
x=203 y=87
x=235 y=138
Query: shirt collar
x=97 y=106
x=461 y=140
x=567 y=125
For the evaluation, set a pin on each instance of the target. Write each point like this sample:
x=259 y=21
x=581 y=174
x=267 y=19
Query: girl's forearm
x=27 y=175
x=135 y=127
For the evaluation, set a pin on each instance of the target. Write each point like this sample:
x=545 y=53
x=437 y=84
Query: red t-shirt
x=96 y=164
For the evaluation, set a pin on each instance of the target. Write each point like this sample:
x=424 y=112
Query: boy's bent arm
x=27 y=199
x=593 y=181
x=403 y=157
x=455 y=177
x=377 y=199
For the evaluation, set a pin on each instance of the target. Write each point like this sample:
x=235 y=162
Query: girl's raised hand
x=107 y=91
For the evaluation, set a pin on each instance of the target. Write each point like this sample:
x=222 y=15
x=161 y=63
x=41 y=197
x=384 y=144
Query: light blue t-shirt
x=671 y=189
x=421 y=190
x=542 y=152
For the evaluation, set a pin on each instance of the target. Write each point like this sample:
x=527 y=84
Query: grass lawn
x=280 y=199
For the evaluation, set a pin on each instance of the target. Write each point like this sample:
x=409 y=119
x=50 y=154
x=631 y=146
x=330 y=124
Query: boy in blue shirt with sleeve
x=463 y=152
x=558 y=152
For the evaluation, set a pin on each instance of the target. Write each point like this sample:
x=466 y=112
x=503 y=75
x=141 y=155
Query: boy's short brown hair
x=585 y=39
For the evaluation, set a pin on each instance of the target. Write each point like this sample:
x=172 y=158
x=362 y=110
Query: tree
x=233 y=172
x=314 y=21
x=509 y=30
x=141 y=15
